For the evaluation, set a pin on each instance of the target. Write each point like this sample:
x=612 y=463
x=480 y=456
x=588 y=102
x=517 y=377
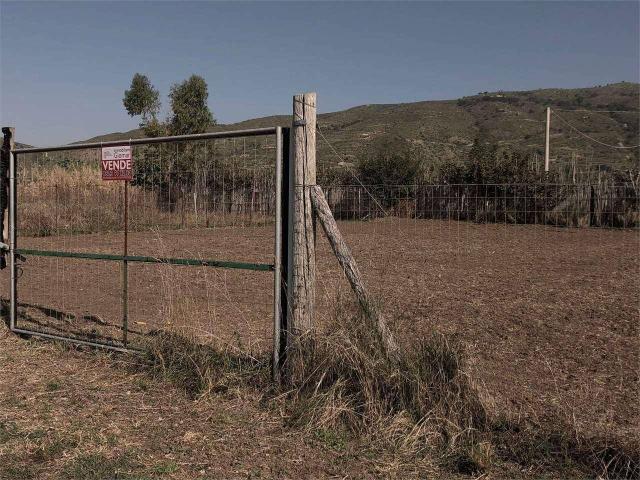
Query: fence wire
x=566 y=205
x=534 y=280
x=202 y=200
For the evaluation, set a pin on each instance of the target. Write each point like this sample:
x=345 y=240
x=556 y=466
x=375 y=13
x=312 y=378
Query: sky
x=65 y=65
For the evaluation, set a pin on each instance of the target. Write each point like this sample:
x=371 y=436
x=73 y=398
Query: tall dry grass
x=424 y=405
x=54 y=200
x=74 y=200
x=57 y=200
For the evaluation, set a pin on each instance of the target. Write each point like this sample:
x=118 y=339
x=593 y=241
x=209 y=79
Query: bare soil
x=549 y=315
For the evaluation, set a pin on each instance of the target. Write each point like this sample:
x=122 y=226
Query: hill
x=447 y=128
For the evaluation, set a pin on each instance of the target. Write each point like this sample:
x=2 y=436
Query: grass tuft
x=202 y=369
x=95 y=466
x=422 y=403
x=425 y=405
x=529 y=443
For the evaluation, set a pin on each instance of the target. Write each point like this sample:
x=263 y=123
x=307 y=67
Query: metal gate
x=189 y=243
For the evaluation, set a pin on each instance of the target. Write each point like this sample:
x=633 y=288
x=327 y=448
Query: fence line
x=567 y=205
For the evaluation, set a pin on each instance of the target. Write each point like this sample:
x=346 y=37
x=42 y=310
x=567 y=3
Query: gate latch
x=4 y=249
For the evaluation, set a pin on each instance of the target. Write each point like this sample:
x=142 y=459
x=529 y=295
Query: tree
x=189 y=106
x=190 y=114
x=142 y=98
x=389 y=162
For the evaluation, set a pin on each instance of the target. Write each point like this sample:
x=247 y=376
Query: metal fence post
x=277 y=264
x=125 y=267
x=285 y=306
x=13 y=308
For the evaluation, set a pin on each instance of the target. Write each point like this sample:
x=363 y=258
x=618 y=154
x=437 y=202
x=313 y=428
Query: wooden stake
x=348 y=264
x=302 y=255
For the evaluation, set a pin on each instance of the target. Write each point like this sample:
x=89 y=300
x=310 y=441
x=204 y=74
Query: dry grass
x=72 y=414
x=203 y=369
x=564 y=448
x=56 y=200
x=424 y=405
x=422 y=409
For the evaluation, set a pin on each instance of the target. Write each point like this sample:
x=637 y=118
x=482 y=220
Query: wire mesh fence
x=189 y=205
x=567 y=205
x=535 y=281
x=454 y=257
x=214 y=200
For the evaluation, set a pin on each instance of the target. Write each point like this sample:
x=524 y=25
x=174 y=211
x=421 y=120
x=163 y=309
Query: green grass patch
x=53 y=385
x=166 y=468
x=96 y=466
x=8 y=430
x=332 y=439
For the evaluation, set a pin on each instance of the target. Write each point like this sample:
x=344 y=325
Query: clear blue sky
x=65 y=65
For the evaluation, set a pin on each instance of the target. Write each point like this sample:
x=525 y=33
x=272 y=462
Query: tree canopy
x=189 y=106
x=189 y=110
x=142 y=98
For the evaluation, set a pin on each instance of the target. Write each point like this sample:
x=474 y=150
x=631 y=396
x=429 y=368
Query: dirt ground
x=549 y=315
x=75 y=415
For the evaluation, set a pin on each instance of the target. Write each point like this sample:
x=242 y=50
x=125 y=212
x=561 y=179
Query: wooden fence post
x=350 y=268
x=301 y=254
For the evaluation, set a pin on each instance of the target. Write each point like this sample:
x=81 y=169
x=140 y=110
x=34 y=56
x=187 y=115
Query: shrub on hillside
x=387 y=163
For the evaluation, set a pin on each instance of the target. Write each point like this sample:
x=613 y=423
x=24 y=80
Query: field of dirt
x=78 y=415
x=549 y=315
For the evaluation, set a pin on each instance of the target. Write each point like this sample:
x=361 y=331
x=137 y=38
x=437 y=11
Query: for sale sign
x=117 y=163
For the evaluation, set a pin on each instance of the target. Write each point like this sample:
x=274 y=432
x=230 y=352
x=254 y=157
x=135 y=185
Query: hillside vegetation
x=446 y=129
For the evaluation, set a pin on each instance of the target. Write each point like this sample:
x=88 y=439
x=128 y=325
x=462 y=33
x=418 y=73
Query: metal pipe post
x=125 y=268
x=13 y=308
x=277 y=274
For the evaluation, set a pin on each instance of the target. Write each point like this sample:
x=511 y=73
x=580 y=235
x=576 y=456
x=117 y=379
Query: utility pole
x=546 y=142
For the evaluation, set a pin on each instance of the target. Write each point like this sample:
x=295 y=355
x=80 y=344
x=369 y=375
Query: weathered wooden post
x=350 y=268
x=301 y=269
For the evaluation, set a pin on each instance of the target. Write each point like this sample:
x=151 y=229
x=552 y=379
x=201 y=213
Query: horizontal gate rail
x=261 y=267
x=254 y=132
x=86 y=343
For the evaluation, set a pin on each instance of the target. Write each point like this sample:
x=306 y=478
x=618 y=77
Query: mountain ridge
x=447 y=128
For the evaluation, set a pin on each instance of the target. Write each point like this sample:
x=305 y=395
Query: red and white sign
x=116 y=163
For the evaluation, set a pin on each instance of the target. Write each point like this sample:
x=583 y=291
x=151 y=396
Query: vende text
x=111 y=165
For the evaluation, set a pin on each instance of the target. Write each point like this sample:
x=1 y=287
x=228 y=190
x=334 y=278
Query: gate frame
x=281 y=229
